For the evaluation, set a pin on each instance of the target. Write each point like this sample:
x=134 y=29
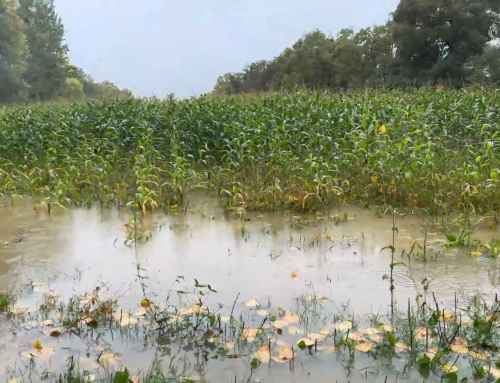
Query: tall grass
x=430 y=148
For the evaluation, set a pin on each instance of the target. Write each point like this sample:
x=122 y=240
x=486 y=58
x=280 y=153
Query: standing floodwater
x=279 y=262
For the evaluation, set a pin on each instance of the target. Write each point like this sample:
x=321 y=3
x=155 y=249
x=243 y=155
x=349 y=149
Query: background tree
x=47 y=62
x=13 y=54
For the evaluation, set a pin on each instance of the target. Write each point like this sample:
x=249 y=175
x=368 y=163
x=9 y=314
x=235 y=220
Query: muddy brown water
x=72 y=251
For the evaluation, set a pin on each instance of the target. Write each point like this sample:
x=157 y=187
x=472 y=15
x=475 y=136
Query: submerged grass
x=431 y=148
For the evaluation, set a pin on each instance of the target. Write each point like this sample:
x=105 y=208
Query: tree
x=13 y=54
x=73 y=90
x=47 y=64
x=435 y=38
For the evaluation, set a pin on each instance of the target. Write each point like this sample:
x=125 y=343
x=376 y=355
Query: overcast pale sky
x=158 y=47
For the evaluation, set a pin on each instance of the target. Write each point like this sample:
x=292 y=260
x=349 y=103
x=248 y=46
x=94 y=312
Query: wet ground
x=272 y=258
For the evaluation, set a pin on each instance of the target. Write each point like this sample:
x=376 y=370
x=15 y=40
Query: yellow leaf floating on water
x=292 y=318
x=110 y=359
x=489 y=370
x=249 y=334
x=344 y=326
x=460 y=349
x=364 y=347
x=371 y=331
x=476 y=253
x=400 y=347
x=294 y=275
x=479 y=354
x=286 y=353
x=355 y=337
x=377 y=338
x=387 y=328
x=38 y=346
x=314 y=336
x=325 y=332
x=448 y=368
x=262 y=354
x=251 y=303
x=280 y=323
x=328 y=237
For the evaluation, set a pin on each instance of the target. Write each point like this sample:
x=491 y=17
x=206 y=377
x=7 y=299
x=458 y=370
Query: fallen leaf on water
x=377 y=338
x=110 y=359
x=262 y=313
x=355 y=337
x=322 y=298
x=371 y=331
x=479 y=354
x=460 y=349
x=47 y=322
x=432 y=353
x=400 y=347
x=251 y=303
x=250 y=334
x=422 y=332
x=344 y=326
x=448 y=368
x=18 y=311
x=476 y=253
x=55 y=332
x=489 y=370
x=208 y=334
x=328 y=237
x=91 y=322
x=325 y=332
x=387 y=328
x=364 y=347
x=225 y=319
x=280 y=323
x=316 y=336
x=230 y=345
x=446 y=316
x=294 y=275
x=285 y=353
x=292 y=318
x=295 y=330
x=38 y=346
x=278 y=360
x=233 y=356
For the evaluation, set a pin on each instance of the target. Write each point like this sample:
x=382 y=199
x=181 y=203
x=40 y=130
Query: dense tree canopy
x=424 y=41
x=34 y=65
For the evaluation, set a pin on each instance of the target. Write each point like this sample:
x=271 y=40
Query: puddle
x=275 y=259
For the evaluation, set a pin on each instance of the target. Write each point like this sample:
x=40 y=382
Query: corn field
x=433 y=149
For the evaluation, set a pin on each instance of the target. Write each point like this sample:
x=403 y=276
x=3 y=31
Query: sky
x=159 y=47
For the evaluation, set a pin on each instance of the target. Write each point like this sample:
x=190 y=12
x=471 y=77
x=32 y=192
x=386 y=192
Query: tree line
x=34 y=63
x=423 y=42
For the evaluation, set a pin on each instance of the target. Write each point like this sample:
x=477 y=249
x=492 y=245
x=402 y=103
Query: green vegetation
x=432 y=148
x=422 y=43
x=34 y=65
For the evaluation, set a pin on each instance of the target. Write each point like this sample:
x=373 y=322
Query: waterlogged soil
x=280 y=261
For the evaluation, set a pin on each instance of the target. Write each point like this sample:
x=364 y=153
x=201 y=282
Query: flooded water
x=275 y=259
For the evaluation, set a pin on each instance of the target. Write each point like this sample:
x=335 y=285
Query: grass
x=431 y=149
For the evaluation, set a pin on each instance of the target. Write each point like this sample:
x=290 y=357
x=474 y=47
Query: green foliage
x=432 y=149
x=13 y=53
x=46 y=64
x=425 y=42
